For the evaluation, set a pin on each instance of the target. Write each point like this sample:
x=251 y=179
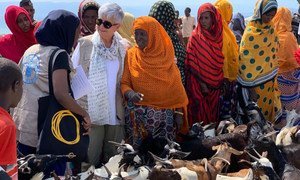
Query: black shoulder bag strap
x=50 y=68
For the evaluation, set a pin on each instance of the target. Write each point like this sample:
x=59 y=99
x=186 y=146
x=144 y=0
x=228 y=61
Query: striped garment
x=289 y=85
x=204 y=64
x=262 y=7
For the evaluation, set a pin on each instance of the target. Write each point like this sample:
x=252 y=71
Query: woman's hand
x=134 y=97
x=86 y=123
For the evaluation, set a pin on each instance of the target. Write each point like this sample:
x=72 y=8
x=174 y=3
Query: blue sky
x=136 y=7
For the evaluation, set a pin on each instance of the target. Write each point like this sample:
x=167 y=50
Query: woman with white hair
x=102 y=57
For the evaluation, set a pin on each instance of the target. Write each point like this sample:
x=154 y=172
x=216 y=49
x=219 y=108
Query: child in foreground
x=11 y=89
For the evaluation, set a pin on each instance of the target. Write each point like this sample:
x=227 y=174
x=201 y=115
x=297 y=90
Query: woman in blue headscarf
x=59 y=30
x=237 y=25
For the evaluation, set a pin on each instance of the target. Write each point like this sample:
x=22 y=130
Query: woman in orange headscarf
x=204 y=66
x=289 y=69
x=152 y=85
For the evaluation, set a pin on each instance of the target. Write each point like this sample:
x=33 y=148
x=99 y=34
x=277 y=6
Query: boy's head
x=11 y=82
x=28 y=6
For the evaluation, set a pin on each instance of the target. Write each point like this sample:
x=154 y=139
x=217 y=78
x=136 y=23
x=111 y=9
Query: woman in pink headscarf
x=13 y=46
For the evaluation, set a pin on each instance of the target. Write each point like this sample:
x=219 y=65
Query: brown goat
x=205 y=169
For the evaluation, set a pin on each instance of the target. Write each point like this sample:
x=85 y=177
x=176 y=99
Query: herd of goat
x=230 y=151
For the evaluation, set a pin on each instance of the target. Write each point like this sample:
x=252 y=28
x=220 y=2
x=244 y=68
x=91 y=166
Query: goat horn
x=204 y=161
x=181 y=154
x=120 y=170
x=235 y=152
x=222 y=159
x=245 y=161
x=260 y=156
x=25 y=157
x=156 y=133
x=27 y=160
x=155 y=136
x=169 y=141
x=253 y=157
x=233 y=121
x=107 y=170
x=270 y=134
x=209 y=126
x=115 y=143
x=156 y=158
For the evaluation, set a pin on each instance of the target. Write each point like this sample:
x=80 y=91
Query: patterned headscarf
x=82 y=7
x=164 y=13
x=263 y=6
x=237 y=25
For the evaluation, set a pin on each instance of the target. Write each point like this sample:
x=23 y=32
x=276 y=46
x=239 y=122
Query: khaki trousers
x=100 y=150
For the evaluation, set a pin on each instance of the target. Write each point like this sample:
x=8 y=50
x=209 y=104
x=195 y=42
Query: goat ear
x=123 y=141
x=231 y=128
x=294 y=129
x=265 y=154
x=215 y=148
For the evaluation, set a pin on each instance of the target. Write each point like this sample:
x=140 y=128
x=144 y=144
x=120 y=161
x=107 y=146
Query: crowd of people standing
x=155 y=74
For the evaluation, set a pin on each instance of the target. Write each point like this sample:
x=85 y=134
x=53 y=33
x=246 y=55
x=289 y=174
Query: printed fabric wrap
x=258 y=63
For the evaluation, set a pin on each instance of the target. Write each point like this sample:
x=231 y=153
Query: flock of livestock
x=230 y=151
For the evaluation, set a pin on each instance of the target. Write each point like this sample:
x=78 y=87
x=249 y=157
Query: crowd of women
x=145 y=81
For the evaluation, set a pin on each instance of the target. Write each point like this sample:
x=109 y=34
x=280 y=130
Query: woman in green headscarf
x=258 y=65
x=164 y=13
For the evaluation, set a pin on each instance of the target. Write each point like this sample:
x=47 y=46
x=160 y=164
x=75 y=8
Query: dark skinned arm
x=61 y=93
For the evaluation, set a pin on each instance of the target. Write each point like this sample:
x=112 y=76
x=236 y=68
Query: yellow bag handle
x=56 y=119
